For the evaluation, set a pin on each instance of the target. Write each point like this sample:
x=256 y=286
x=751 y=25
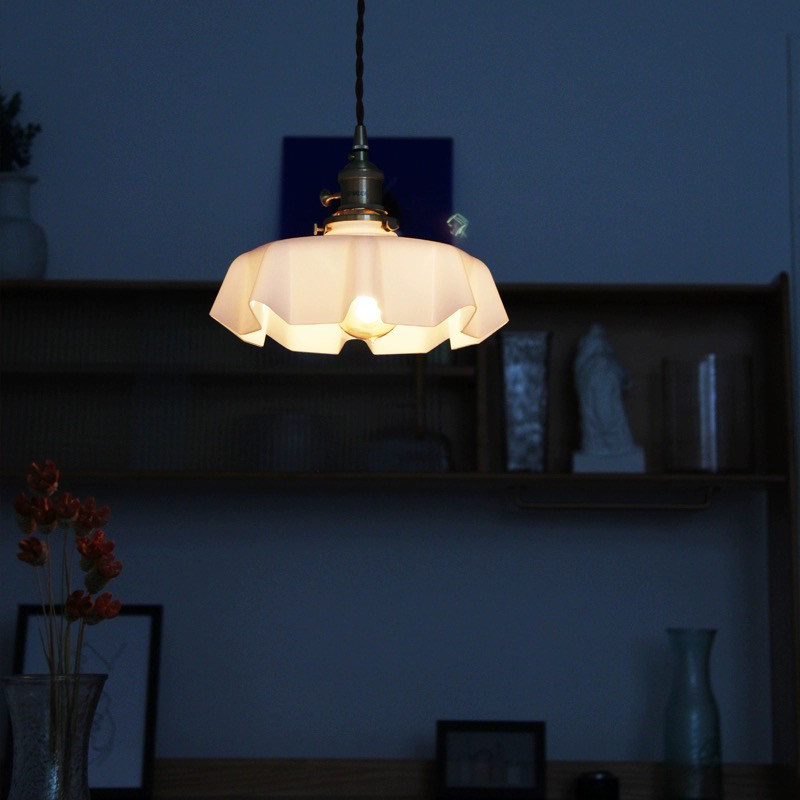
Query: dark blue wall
x=593 y=141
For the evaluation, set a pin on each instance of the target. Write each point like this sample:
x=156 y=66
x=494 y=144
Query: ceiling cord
x=360 y=64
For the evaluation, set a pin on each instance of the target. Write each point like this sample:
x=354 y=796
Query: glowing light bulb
x=363 y=319
x=366 y=309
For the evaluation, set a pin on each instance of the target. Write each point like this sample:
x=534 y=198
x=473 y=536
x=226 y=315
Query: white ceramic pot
x=23 y=245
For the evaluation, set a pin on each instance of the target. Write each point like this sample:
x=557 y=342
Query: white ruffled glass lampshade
x=359 y=281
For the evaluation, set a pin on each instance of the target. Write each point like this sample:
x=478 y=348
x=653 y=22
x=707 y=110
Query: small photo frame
x=490 y=760
x=127 y=649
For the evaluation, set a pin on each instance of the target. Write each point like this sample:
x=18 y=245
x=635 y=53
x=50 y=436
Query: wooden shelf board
x=390 y=779
x=493 y=479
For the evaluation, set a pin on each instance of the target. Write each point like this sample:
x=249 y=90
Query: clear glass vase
x=693 y=762
x=51 y=720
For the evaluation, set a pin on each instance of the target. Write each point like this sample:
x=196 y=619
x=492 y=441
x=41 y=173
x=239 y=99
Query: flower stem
x=79 y=647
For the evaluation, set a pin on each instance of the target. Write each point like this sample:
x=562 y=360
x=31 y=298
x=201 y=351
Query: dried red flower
x=90 y=517
x=108 y=566
x=42 y=509
x=104 y=608
x=78 y=606
x=44 y=514
x=33 y=551
x=66 y=507
x=24 y=509
x=102 y=571
x=93 y=548
x=43 y=480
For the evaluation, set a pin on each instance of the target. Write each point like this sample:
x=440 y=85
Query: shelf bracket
x=701 y=504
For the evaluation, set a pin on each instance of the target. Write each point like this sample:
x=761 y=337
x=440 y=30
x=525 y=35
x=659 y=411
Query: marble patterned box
x=525 y=386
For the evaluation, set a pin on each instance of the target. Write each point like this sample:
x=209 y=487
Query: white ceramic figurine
x=606 y=440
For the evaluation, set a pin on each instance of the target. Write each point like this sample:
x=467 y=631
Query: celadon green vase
x=692 y=749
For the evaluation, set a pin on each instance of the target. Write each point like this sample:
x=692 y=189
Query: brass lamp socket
x=360 y=188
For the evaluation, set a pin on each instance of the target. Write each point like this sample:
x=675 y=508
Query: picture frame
x=490 y=760
x=127 y=649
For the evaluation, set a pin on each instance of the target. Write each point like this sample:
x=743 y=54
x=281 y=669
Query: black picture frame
x=490 y=760
x=128 y=650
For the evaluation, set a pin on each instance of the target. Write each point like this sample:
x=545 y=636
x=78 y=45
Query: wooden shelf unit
x=90 y=369
x=134 y=380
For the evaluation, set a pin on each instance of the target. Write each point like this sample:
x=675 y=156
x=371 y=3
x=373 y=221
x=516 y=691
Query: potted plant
x=23 y=246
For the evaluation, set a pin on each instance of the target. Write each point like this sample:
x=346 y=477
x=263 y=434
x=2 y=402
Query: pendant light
x=359 y=279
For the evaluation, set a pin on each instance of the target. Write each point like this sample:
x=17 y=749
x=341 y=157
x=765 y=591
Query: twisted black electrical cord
x=360 y=192
x=360 y=64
